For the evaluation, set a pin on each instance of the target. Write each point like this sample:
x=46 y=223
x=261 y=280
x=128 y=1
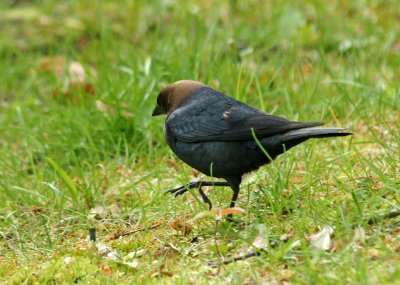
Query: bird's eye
x=162 y=99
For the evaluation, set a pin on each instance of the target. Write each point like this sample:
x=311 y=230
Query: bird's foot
x=177 y=191
x=234 y=222
x=183 y=189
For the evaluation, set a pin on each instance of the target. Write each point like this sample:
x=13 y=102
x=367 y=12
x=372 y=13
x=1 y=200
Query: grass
x=79 y=149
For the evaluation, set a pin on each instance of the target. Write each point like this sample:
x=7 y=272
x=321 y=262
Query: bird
x=225 y=138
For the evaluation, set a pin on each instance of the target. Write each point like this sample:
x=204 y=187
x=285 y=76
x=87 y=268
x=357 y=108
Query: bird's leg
x=234 y=183
x=234 y=197
x=183 y=189
x=205 y=198
x=198 y=184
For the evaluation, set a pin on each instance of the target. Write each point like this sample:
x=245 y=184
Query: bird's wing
x=208 y=115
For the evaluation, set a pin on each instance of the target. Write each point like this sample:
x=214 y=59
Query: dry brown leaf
x=336 y=245
x=229 y=211
x=162 y=271
x=395 y=48
x=85 y=87
x=55 y=65
x=167 y=273
x=77 y=76
x=106 y=270
x=373 y=253
x=35 y=209
x=104 y=183
x=195 y=172
x=306 y=68
x=296 y=179
x=181 y=225
x=172 y=163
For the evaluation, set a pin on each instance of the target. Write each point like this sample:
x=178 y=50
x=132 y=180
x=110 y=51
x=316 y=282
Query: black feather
x=208 y=115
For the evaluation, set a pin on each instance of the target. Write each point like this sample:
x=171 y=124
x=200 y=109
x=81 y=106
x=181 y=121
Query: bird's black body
x=212 y=133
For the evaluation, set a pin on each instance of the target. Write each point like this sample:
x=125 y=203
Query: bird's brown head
x=171 y=96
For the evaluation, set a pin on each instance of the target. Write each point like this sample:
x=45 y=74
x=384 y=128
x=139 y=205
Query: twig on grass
x=375 y=219
x=236 y=258
x=118 y=235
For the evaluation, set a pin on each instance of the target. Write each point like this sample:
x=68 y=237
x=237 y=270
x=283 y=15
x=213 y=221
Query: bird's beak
x=158 y=111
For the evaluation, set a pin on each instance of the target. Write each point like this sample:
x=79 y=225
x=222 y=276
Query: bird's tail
x=295 y=137
x=305 y=134
x=280 y=143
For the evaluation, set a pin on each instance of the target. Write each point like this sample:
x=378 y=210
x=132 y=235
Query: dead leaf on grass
x=54 y=65
x=104 y=251
x=261 y=240
x=336 y=245
x=359 y=234
x=72 y=77
x=134 y=254
x=229 y=211
x=162 y=272
x=68 y=260
x=358 y=239
x=167 y=244
x=306 y=68
x=98 y=213
x=181 y=225
x=322 y=239
x=35 y=209
x=132 y=264
x=172 y=163
x=106 y=270
x=217 y=213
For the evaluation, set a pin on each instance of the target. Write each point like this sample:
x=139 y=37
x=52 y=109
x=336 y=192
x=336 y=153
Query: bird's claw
x=177 y=191
x=183 y=189
x=205 y=198
x=234 y=222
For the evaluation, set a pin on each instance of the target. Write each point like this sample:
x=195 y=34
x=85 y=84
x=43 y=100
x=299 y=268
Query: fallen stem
x=118 y=235
x=236 y=258
x=373 y=220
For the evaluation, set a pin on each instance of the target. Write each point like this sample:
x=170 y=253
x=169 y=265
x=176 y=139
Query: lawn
x=80 y=151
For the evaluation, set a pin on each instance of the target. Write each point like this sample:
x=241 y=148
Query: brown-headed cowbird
x=222 y=137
